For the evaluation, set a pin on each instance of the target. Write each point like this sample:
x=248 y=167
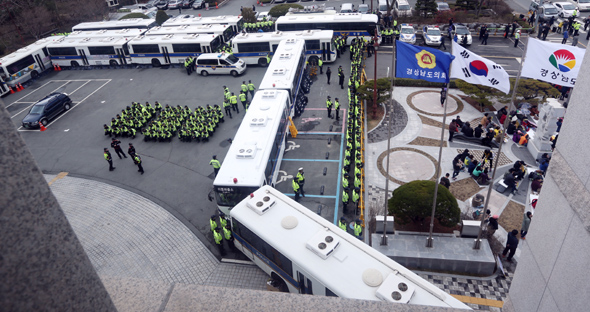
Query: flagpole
x=437 y=173
x=477 y=243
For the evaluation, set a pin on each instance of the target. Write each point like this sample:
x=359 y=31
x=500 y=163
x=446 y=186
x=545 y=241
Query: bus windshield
x=230 y=196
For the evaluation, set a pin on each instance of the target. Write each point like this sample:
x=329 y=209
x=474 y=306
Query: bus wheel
x=156 y=63
x=75 y=64
x=113 y=63
x=204 y=73
x=34 y=74
x=279 y=282
x=234 y=73
x=262 y=62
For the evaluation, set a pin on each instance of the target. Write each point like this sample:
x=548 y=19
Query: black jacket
x=512 y=241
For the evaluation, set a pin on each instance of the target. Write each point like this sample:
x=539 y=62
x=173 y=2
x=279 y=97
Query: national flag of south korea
x=475 y=69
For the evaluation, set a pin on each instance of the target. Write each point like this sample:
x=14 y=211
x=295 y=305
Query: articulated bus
x=305 y=253
x=256 y=152
x=286 y=69
x=25 y=63
x=140 y=23
x=235 y=22
x=254 y=47
x=225 y=32
x=171 y=49
x=90 y=51
x=349 y=24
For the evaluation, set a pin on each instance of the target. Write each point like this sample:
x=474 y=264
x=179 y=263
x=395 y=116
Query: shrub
x=412 y=202
x=134 y=15
x=161 y=17
x=282 y=9
x=248 y=15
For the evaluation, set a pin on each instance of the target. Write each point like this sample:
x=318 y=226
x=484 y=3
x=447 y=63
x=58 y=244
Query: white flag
x=552 y=62
x=475 y=69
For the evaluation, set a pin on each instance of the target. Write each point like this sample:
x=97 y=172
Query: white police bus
x=254 y=47
x=256 y=152
x=226 y=33
x=139 y=23
x=286 y=69
x=90 y=51
x=25 y=63
x=235 y=22
x=171 y=49
x=304 y=253
x=343 y=24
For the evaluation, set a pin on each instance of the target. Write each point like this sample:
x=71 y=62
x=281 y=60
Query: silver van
x=220 y=64
x=402 y=8
x=347 y=8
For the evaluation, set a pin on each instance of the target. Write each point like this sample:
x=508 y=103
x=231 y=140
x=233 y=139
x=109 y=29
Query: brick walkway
x=127 y=235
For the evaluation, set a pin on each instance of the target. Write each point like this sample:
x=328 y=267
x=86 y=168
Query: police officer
x=342 y=224
x=116 y=145
x=137 y=161
x=337 y=108
x=233 y=100
x=328 y=74
x=109 y=159
x=218 y=239
x=222 y=220
x=356 y=196
x=301 y=180
x=329 y=107
x=296 y=188
x=227 y=107
x=216 y=164
x=244 y=87
x=358 y=230
x=321 y=65
x=251 y=88
x=244 y=99
x=341 y=76
x=213 y=223
x=345 y=198
x=131 y=150
x=227 y=235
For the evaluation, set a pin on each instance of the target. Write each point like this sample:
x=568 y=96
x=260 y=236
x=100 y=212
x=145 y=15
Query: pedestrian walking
x=485 y=38
x=251 y=88
x=116 y=144
x=514 y=25
x=516 y=38
x=345 y=198
x=443 y=95
x=337 y=108
x=131 y=150
x=588 y=36
x=565 y=36
x=511 y=244
x=329 y=107
x=233 y=100
x=244 y=99
x=526 y=222
x=442 y=43
x=321 y=66
x=137 y=161
x=445 y=181
x=227 y=107
x=328 y=74
x=296 y=188
x=507 y=31
x=301 y=180
x=482 y=30
x=108 y=158
x=341 y=76
x=179 y=10
x=216 y=164
x=244 y=88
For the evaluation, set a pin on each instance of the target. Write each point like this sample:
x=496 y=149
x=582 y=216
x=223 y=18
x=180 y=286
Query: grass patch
x=463 y=189
x=511 y=217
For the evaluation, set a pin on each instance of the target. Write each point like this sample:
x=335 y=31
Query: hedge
x=134 y=15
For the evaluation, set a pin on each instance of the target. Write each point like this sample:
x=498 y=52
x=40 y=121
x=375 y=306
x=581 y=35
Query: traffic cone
x=58 y=68
x=17 y=87
x=54 y=67
x=216 y=6
x=20 y=86
x=42 y=127
x=11 y=90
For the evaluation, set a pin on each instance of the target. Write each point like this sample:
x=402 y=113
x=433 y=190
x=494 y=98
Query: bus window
x=254 y=47
x=62 y=51
x=274 y=48
x=215 y=43
x=45 y=53
x=101 y=50
x=186 y=47
x=312 y=44
x=126 y=49
x=329 y=293
x=145 y=48
x=20 y=64
x=231 y=196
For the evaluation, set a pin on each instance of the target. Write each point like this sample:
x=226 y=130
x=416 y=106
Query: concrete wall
x=552 y=273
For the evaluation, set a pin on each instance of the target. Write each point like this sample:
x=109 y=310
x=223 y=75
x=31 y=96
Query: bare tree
x=35 y=21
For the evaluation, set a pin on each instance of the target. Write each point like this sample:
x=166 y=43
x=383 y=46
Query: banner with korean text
x=552 y=62
x=475 y=69
x=424 y=63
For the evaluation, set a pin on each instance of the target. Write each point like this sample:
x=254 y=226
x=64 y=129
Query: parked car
x=402 y=8
x=564 y=9
x=407 y=34
x=363 y=8
x=186 y=4
x=46 y=109
x=198 y=4
x=144 y=8
x=462 y=31
x=431 y=35
x=583 y=5
x=442 y=6
x=162 y=5
x=262 y=15
x=545 y=11
x=174 y=4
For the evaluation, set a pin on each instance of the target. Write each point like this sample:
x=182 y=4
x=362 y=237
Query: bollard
x=325 y=170
x=319 y=212
x=322 y=190
x=329 y=141
x=327 y=155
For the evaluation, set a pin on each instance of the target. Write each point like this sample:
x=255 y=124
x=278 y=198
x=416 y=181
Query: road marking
x=328 y=133
x=292 y=146
x=304 y=120
x=284 y=177
x=18 y=101
x=319 y=160
x=60 y=175
x=36 y=102
x=480 y=301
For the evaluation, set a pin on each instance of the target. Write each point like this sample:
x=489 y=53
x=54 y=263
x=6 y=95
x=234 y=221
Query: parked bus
x=286 y=69
x=171 y=49
x=343 y=24
x=127 y=32
x=224 y=31
x=256 y=152
x=235 y=22
x=120 y=24
x=305 y=253
x=25 y=63
x=90 y=51
x=254 y=47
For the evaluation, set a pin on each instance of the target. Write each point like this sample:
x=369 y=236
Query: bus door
x=166 y=55
x=40 y=62
x=3 y=88
x=305 y=286
x=83 y=56
x=121 y=56
x=325 y=50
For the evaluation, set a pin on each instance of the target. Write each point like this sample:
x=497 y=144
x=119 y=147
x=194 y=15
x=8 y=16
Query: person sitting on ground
x=477 y=171
x=487 y=141
x=485 y=120
x=467 y=130
x=516 y=136
x=474 y=164
x=544 y=165
x=537 y=184
x=511 y=128
x=498 y=135
x=459 y=122
x=478 y=131
x=524 y=140
x=534 y=112
x=511 y=182
x=519 y=169
x=502 y=114
x=484 y=178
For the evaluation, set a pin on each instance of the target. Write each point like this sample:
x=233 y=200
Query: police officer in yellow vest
x=329 y=107
x=233 y=100
x=213 y=223
x=320 y=65
x=251 y=88
x=218 y=240
x=244 y=99
x=345 y=198
x=358 y=230
x=244 y=87
x=215 y=163
x=342 y=224
x=301 y=180
x=337 y=108
x=295 y=186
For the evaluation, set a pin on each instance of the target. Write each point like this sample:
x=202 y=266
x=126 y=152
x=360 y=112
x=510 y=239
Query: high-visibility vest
x=295 y=186
x=336 y=104
x=242 y=97
x=213 y=225
x=215 y=163
x=226 y=104
x=328 y=104
x=342 y=225
x=218 y=238
x=345 y=181
x=320 y=62
x=233 y=99
x=227 y=233
x=251 y=86
x=357 y=230
x=244 y=88
x=344 y=197
x=223 y=222
x=355 y=196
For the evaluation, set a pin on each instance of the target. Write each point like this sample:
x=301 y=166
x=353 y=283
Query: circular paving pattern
x=428 y=103
x=407 y=164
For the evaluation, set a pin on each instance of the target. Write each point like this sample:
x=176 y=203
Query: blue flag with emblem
x=424 y=63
